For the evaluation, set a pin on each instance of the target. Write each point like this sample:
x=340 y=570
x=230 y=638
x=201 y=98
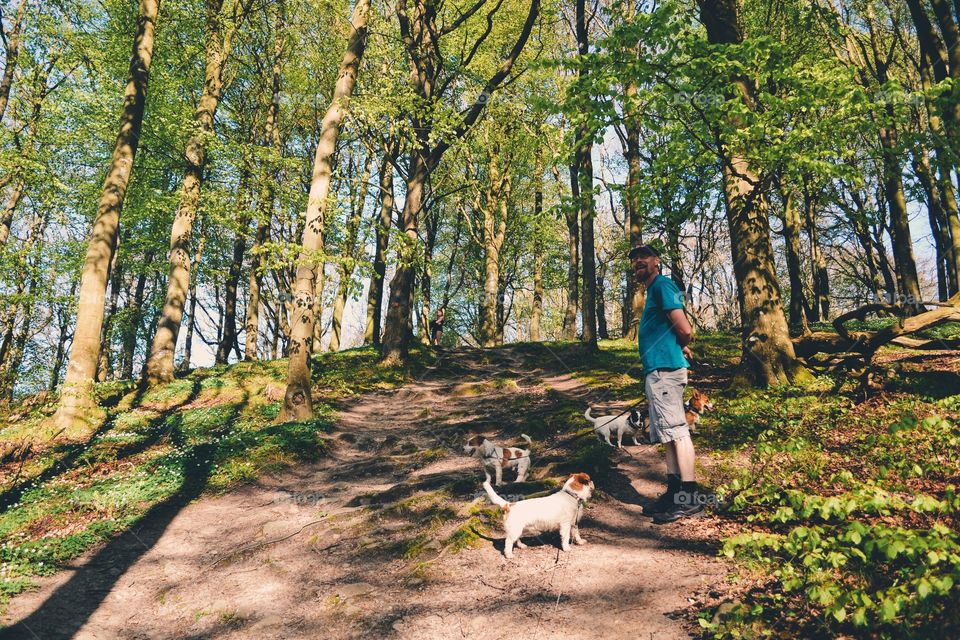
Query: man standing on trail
x=664 y=336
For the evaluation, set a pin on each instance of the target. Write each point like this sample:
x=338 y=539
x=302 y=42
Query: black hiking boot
x=665 y=501
x=688 y=501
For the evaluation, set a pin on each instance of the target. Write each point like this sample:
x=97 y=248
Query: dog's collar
x=572 y=495
x=689 y=407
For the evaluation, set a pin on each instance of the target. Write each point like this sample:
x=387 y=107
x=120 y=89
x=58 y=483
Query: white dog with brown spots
x=558 y=511
x=495 y=459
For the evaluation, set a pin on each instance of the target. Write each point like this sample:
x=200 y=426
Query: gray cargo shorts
x=668 y=419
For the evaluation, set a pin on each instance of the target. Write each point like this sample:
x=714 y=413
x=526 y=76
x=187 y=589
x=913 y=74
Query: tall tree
x=371 y=334
x=223 y=19
x=768 y=355
x=76 y=400
x=422 y=39
x=581 y=172
x=297 y=402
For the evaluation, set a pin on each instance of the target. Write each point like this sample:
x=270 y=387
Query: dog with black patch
x=628 y=423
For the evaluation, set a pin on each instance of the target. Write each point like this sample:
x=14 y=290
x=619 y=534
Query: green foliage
x=864 y=536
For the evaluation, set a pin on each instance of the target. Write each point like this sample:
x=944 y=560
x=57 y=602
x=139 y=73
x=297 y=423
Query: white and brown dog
x=558 y=511
x=628 y=423
x=495 y=459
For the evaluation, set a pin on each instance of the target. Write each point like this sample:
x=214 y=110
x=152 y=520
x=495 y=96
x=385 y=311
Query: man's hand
x=687 y=353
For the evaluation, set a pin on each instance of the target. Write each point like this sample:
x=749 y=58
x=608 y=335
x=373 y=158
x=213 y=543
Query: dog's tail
x=586 y=414
x=494 y=498
x=527 y=438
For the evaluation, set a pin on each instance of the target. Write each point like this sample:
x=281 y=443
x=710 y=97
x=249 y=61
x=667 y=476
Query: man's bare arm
x=681 y=326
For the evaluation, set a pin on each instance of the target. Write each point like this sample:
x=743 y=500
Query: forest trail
x=363 y=544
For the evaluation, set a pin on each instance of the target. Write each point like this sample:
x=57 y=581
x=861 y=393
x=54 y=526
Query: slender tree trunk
x=229 y=338
x=906 y=265
x=371 y=334
x=219 y=38
x=935 y=214
x=768 y=355
x=105 y=365
x=298 y=404
x=192 y=315
x=13 y=53
x=396 y=334
x=537 y=311
x=347 y=259
x=820 y=306
x=602 y=332
x=267 y=191
x=76 y=400
x=791 y=241
x=635 y=295
x=495 y=213
x=426 y=282
x=573 y=254
x=584 y=162
x=136 y=317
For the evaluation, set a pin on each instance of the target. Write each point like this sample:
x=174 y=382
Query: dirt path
x=354 y=546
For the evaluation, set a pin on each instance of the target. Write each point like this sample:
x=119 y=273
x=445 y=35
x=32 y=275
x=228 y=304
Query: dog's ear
x=579 y=481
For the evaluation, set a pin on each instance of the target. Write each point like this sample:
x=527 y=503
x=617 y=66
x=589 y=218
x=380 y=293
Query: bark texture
x=297 y=402
x=76 y=401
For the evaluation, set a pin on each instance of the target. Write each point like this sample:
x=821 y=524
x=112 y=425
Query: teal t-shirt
x=656 y=340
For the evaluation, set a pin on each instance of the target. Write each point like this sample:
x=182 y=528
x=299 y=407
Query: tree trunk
x=13 y=52
x=371 y=334
x=396 y=333
x=347 y=259
x=768 y=355
x=136 y=316
x=422 y=39
x=229 y=338
x=219 y=37
x=537 y=311
x=297 y=402
x=573 y=253
x=76 y=400
x=906 y=266
x=935 y=214
x=192 y=315
x=635 y=294
x=791 y=241
x=105 y=364
x=495 y=211
x=602 y=332
x=820 y=306
x=584 y=162
x=270 y=176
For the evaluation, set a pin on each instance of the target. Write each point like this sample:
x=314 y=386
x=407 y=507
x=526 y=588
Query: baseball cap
x=643 y=251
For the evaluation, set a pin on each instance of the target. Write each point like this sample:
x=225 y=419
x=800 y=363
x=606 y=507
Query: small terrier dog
x=495 y=459
x=698 y=403
x=560 y=510
x=628 y=423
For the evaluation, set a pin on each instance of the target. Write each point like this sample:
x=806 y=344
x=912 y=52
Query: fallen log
x=866 y=343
